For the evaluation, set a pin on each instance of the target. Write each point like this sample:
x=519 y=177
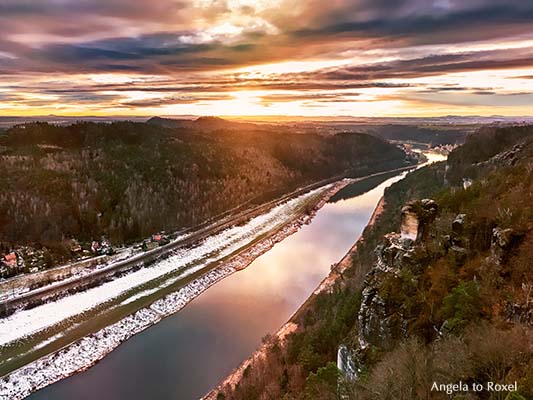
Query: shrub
x=462 y=305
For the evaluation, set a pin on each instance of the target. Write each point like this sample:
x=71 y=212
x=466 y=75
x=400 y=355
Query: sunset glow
x=280 y=57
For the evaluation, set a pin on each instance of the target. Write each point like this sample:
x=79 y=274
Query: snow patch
x=37 y=319
x=85 y=352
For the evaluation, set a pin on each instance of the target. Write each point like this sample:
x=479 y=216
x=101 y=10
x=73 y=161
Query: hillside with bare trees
x=126 y=180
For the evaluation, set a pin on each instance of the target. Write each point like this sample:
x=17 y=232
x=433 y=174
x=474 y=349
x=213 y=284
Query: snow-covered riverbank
x=86 y=352
x=291 y=326
x=280 y=222
x=27 y=322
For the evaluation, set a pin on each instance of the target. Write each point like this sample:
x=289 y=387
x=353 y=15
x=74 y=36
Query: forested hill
x=128 y=180
x=432 y=136
x=454 y=304
x=204 y=124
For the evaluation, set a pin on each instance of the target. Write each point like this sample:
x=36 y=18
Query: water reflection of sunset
x=224 y=325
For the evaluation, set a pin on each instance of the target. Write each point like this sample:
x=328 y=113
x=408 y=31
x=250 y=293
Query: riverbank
x=84 y=353
x=67 y=279
x=291 y=326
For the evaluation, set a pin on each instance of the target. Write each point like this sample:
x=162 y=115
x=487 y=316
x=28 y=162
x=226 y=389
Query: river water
x=187 y=354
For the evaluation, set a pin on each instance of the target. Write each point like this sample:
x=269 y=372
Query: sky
x=266 y=57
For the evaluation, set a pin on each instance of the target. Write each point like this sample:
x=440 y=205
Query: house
x=95 y=246
x=161 y=239
x=11 y=260
x=103 y=247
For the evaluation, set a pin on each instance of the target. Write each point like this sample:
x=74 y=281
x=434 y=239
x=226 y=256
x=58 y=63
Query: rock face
x=457 y=243
x=505 y=158
x=409 y=228
x=346 y=362
x=380 y=323
x=458 y=225
x=501 y=243
x=401 y=259
x=384 y=318
x=415 y=218
x=467 y=182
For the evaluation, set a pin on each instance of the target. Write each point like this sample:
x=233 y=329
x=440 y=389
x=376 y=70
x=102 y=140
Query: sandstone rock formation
x=416 y=216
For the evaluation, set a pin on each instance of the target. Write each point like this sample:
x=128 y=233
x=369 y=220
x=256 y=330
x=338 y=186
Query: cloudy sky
x=266 y=57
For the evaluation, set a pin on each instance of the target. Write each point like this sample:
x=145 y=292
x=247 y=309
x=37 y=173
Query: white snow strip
x=85 y=352
x=139 y=295
x=78 y=356
x=47 y=341
x=27 y=322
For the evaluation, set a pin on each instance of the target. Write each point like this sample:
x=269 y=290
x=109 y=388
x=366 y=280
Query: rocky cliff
x=447 y=295
x=456 y=264
x=380 y=322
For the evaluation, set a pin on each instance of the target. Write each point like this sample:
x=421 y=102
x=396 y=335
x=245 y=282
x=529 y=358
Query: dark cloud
x=386 y=23
x=456 y=88
x=19 y=8
x=10 y=97
x=484 y=92
x=156 y=53
x=432 y=65
x=173 y=39
x=171 y=101
x=409 y=24
x=320 y=97
x=63 y=11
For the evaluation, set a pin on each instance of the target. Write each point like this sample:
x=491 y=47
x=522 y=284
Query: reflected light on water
x=187 y=354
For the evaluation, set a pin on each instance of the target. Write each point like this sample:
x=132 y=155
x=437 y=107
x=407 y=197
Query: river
x=188 y=353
